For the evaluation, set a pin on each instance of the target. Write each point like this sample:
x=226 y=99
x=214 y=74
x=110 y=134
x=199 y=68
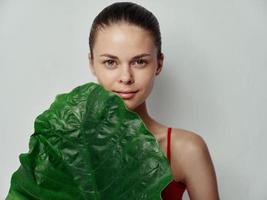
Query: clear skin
x=125 y=58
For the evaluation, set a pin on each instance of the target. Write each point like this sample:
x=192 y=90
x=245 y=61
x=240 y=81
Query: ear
x=91 y=63
x=160 y=64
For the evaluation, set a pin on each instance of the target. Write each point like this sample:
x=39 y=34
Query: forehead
x=123 y=38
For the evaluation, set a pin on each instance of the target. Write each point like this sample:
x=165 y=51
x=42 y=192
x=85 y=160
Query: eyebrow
x=135 y=57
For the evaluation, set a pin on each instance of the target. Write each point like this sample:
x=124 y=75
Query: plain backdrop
x=213 y=82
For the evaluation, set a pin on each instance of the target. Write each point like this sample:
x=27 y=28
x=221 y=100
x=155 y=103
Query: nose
x=126 y=76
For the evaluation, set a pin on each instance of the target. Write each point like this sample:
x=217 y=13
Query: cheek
x=146 y=81
x=105 y=78
x=150 y=84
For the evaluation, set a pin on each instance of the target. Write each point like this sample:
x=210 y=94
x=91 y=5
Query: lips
x=126 y=94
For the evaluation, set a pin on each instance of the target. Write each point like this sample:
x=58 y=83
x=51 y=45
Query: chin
x=129 y=106
x=133 y=107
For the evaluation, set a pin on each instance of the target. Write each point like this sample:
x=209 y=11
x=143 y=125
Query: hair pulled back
x=126 y=12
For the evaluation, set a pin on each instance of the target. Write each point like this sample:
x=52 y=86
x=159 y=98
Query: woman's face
x=125 y=62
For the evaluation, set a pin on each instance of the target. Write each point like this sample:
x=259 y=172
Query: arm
x=193 y=161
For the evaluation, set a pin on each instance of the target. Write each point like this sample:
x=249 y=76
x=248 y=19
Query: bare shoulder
x=187 y=141
x=192 y=164
x=188 y=150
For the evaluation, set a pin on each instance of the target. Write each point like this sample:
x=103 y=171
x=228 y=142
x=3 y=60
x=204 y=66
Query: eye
x=139 y=62
x=111 y=64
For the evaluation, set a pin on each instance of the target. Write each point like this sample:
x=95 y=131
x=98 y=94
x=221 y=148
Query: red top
x=174 y=190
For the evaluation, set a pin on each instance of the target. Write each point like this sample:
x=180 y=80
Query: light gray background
x=213 y=82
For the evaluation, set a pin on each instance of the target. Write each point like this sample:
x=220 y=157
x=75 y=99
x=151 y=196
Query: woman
x=125 y=56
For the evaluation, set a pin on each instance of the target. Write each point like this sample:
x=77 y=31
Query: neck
x=154 y=127
x=142 y=112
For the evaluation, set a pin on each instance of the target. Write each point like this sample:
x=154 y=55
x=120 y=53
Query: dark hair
x=126 y=12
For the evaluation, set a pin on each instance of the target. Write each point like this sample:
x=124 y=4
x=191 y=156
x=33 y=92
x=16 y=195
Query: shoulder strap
x=169 y=144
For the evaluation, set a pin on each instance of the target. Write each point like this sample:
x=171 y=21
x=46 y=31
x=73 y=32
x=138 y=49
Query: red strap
x=169 y=144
